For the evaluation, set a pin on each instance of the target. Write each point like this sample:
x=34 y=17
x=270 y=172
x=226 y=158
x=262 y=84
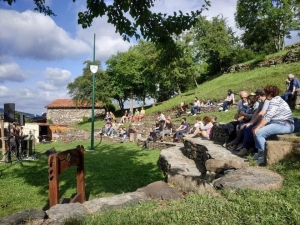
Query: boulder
x=255 y=178
x=219 y=165
x=277 y=150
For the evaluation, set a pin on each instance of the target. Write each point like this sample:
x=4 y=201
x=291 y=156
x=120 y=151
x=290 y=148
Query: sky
x=40 y=55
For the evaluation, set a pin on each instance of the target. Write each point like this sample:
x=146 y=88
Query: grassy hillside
x=249 y=81
x=216 y=89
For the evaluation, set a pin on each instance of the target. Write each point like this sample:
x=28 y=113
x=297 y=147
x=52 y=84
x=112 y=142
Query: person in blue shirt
x=294 y=85
x=183 y=129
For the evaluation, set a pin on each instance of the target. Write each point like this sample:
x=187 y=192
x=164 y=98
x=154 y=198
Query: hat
x=253 y=94
x=260 y=92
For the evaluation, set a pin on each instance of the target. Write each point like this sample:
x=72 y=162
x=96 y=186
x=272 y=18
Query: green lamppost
x=94 y=69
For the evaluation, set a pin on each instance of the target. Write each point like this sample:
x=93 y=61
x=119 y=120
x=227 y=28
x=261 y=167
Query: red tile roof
x=69 y=103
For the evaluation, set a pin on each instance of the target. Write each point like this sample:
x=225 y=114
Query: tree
x=81 y=88
x=270 y=20
x=215 y=42
x=157 y=27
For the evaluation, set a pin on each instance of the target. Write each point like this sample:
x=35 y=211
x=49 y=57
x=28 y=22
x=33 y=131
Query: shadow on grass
x=110 y=169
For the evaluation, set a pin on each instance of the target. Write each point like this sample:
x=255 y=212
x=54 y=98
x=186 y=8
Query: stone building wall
x=71 y=116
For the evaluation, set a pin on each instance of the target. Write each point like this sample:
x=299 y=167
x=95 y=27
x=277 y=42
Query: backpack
x=297 y=125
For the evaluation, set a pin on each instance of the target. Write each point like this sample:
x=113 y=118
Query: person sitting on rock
x=183 y=129
x=124 y=117
x=277 y=120
x=124 y=134
x=136 y=115
x=167 y=129
x=152 y=137
x=197 y=124
x=205 y=130
x=293 y=86
x=108 y=127
x=142 y=114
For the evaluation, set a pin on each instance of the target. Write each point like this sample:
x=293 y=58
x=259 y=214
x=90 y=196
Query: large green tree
x=132 y=18
x=215 y=43
x=267 y=21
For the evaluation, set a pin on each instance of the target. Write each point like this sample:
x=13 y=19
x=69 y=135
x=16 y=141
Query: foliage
x=267 y=23
x=109 y=170
x=85 y=119
x=217 y=45
x=49 y=121
x=133 y=18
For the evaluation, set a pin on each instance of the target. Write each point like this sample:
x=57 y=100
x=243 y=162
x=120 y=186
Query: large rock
x=60 y=212
x=184 y=173
x=114 y=202
x=161 y=190
x=256 y=178
x=214 y=157
x=277 y=150
x=219 y=165
x=30 y=216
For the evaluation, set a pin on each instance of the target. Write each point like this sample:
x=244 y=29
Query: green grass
x=110 y=169
x=229 y=207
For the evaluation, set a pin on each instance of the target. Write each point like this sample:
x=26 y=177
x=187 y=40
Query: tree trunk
x=131 y=100
x=178 y=89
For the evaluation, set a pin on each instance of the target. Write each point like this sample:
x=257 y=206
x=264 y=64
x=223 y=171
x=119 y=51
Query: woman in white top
x=229 y=100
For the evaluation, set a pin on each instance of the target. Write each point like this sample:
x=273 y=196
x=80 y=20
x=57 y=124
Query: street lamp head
x=94 y=68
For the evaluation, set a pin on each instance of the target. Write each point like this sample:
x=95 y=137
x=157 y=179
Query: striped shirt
x=278 y=110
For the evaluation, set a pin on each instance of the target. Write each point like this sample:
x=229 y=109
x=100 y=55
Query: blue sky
x=40 y=55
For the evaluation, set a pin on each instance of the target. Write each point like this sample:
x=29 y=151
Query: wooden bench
x=59 y=162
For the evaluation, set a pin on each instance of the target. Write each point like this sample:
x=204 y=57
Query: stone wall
x=293 y=55
x=71 y=116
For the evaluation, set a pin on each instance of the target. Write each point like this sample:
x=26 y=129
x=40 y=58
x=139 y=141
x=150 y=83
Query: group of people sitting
x=259 y=115
x=133 y=117
x=164 y=126
x=196 y=108
x=115 y=129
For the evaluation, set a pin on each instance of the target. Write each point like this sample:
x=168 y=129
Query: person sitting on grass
x=196 y=108
x=204 y=130
x=182 y=109
x=183 y=129
x=293 y=86
x=167 y=129
x=228 y=101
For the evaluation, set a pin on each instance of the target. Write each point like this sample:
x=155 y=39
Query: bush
x=85 y=119
x=49 y=121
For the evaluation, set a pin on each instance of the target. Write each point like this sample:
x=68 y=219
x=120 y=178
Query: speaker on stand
x=21 y=119
x=9 y=112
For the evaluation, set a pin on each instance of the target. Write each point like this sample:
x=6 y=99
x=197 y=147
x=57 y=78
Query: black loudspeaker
x=9 y=112
x=21 y=119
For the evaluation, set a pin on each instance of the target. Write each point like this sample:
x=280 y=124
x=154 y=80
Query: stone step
x=183 y=172
x=215 y=157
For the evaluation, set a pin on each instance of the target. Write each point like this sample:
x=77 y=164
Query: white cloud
x=46 y=86
x=10 y=71
x=4 y=92
x=58 y=77
x=34 y=35
x=107 y=43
